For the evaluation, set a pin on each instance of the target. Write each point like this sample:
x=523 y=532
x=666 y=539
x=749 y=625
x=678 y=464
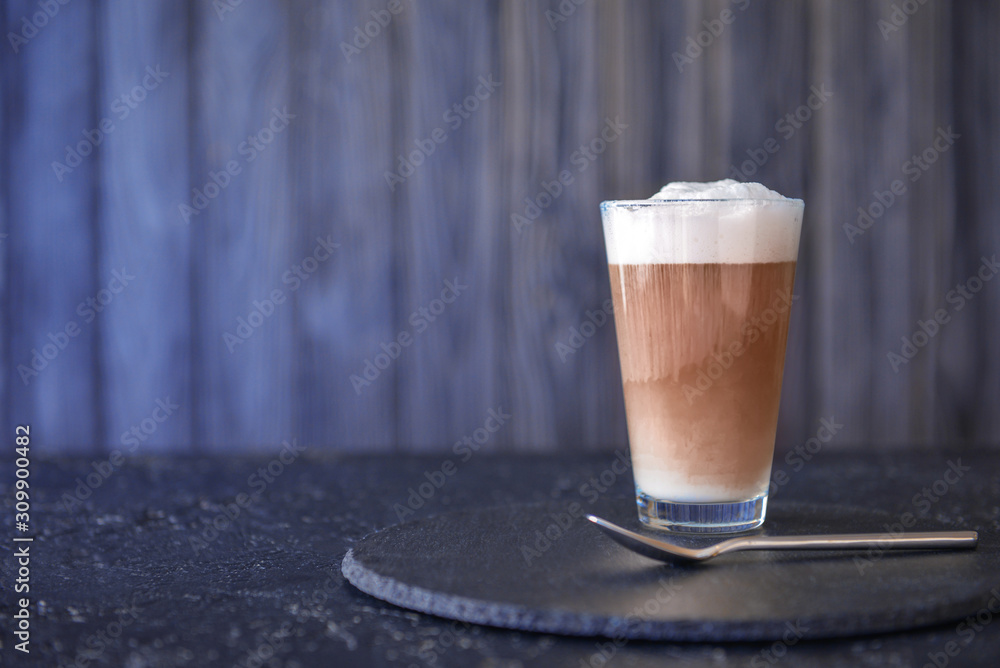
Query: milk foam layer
x=725 y=189
x=724 y=222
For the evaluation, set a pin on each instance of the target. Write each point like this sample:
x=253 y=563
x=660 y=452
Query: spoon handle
x=913 y=540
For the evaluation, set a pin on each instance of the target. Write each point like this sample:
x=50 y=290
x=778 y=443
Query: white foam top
x=724 y=222
x=725 y=189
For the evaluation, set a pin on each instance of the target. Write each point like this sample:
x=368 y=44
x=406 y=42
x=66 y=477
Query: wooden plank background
x=562 y=75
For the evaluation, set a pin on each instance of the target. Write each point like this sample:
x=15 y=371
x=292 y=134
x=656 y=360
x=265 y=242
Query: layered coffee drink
x=701 y=278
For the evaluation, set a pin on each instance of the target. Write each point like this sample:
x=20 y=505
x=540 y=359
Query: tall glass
x=702 y=293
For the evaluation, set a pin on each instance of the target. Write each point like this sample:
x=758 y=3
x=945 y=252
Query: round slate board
x=497 y=567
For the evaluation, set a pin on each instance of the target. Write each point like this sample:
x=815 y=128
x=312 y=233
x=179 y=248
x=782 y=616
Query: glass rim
x=630 y=203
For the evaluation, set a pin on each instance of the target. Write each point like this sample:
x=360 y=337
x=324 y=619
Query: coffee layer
x=702 y=354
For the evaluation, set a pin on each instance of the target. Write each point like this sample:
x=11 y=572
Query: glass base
x=701 y=517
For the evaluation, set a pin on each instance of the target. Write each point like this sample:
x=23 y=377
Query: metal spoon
x=664 y=551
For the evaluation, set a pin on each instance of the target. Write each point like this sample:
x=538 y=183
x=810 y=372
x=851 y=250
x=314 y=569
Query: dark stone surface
x=119 y=579
x=544 y=567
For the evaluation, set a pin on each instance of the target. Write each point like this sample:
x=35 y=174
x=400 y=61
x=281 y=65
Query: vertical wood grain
x=527 y=67
x=242 y=242
x=971 y=360
x=7 y=92
x=879 y=287
x=931 y=222
x=324 y=176
x=450 y=222
x=584 y=395
x=51 y=250
x=557 y=266
x=850 y=310
x=716 y=60
x=144 y=175
x=343 y=144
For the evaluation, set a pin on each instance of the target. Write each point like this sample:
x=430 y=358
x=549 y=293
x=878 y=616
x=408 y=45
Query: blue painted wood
x=5 y=312
x=359 y=101
x=343 y=141
x=243 y=239
x=52 y=249
x=966 y=379
x=146 y=344
x=451 y=226
x=864 y=304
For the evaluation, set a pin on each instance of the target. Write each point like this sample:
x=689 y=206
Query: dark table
x=230 y=561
